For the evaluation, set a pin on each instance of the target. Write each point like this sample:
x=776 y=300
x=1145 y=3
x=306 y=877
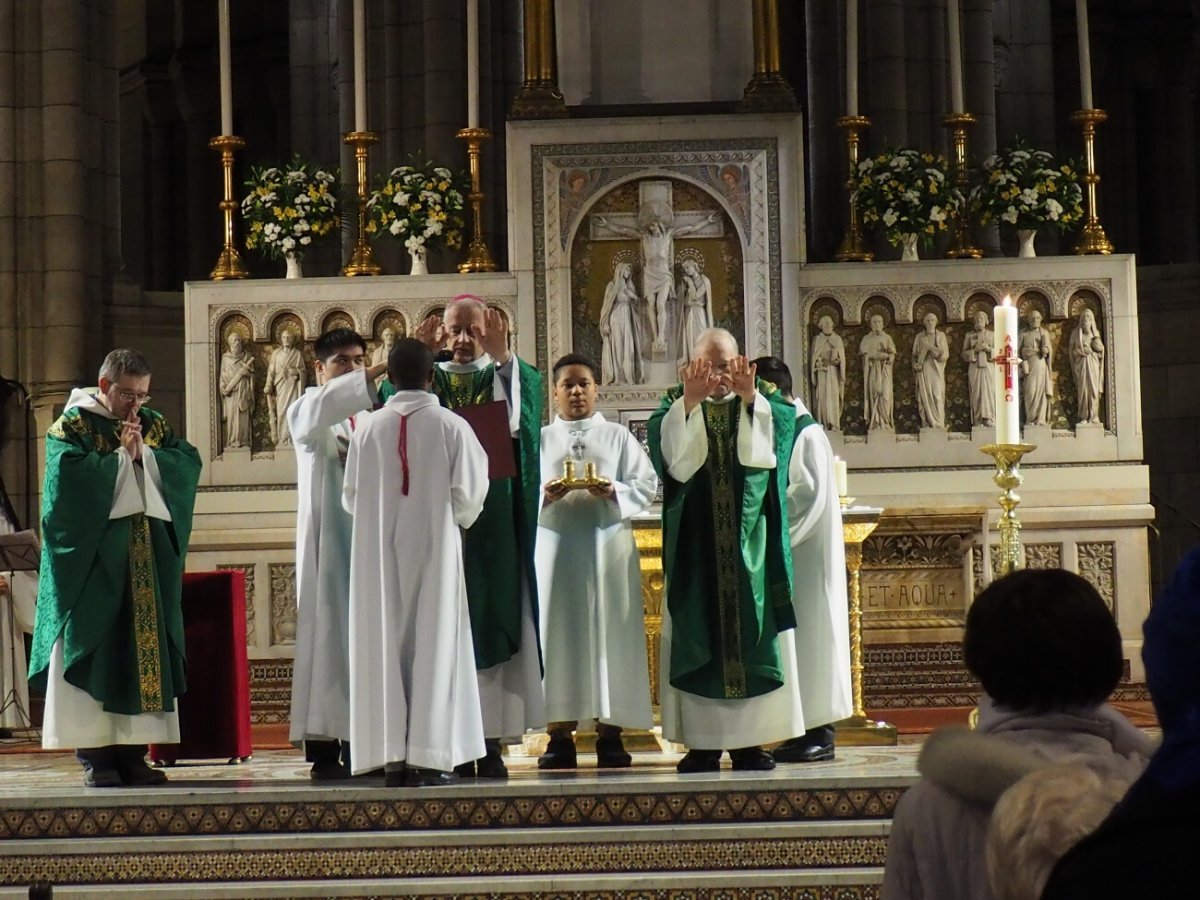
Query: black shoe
x=466 y=770
x=797 y=750
x=560 y=753
x=102 y=778
x=101 y=766
x=751 y=759
x=415 y=776
x=611 y=753
x=395 y=777
x=131 y=764
x=699 y=761
x=492 y=765
x=328 y=770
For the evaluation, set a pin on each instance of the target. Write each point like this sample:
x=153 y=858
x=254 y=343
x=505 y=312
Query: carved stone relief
x=912 y=574
x=1097 y=563
x=1043 y=556
x=283 y=603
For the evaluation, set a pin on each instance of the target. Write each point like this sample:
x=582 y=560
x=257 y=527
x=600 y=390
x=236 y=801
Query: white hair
x=466 y=301
x=715 y=336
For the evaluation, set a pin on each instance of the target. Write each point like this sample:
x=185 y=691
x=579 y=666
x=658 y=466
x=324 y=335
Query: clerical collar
x=728 y=398
x=478 y=364
x=801 y=409
x=88 y=400
x=580 y=424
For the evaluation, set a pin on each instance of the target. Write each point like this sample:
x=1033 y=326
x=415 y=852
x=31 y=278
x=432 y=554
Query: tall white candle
x=1085 y=53
x=956 y=67
x=839 y=476
x=1008 y=406
x=472 y=63
x=852 y=57
x=226 y=64
x=360 y=65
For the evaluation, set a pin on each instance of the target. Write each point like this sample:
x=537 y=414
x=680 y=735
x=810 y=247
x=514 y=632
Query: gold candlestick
x=853 y=248
x=858 y=730
x=1008 y=479
x=960 y=241
x=479 y=258
x=1092 y=238
x=362 y=261
x=229 y=263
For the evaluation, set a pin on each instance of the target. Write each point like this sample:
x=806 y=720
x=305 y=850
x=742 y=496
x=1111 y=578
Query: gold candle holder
x=1092 y=239
x=362 y=261
x=229 y=263
x=960 y=241
x=1008 y=479
x=589 y=471
x=853 y=248
x=568 y=470
x=858 y=730
x=479 y=258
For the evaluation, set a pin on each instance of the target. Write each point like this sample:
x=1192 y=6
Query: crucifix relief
x=656 y=225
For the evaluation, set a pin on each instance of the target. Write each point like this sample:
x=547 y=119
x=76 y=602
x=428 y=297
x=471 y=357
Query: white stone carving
x=828 y=375
x=1037 y=358
x=979 y=352
x=930 y=351
x=878 y=352
x=620 y=330
x=286 y=377
x=695 y=302
x=1086 y=350
x=237 y=392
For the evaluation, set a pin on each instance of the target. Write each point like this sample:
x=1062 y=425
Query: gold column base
x=1093 y=240
x=768 y=92
x=961 y=246
x=538 y=100
x=1008 y=478
x=859 y=731
x=229 y=262
x=362 y=260
x=853 y=247
x=479 y=257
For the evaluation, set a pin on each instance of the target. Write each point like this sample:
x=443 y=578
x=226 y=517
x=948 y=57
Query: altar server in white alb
x=415 y=475
x=589 y=580
x=822 y=632
x=321 y=423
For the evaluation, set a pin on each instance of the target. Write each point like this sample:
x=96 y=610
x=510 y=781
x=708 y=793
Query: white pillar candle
x=1085 y=53
x=1008 y=406
x=839 y=476
x=956 y=67
x=852 y=57
x=360 y=65
x=226 y=64
x=472 y=63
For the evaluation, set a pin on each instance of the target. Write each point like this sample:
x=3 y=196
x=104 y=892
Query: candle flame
x=1007 y=301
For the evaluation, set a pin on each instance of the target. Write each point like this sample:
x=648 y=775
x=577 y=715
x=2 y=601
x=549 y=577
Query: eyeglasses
x=132 y=397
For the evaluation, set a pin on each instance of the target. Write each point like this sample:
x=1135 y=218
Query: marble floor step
x=464 y=857
x=812 y=884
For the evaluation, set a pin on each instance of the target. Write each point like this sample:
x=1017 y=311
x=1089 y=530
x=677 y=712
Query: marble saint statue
x=379 y=355
x=979 y=353
x=1037 y=356
x=621 y=356
x=285 y=384
x=658 y=258
x=237 y=392
x=1087 y=364
x=878 y=352
x=828 y=365
x=695 y=306
x=930 y=351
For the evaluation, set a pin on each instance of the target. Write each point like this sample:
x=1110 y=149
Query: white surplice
x=413 y=693
x=704 y=723
x=16 y=620
x=321 y=423
x=589 y=579
x=822 y=632
x=511 y=691
x=73 y=717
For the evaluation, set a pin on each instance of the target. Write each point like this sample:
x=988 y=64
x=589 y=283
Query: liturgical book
x=489 y=421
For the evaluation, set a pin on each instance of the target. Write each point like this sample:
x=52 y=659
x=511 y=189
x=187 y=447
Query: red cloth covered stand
x=214 y=715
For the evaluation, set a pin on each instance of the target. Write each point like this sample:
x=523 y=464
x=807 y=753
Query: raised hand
x=699 y=381
x=431 y=332
x=742 y=374
x=131 y=435
x=493 y=337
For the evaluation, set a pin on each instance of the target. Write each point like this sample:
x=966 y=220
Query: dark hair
x=575 y=359
x=124 y=362
x=775 y=370
x=332 y=341
x=410 y=365
x=443 y=355
x=1042 y=639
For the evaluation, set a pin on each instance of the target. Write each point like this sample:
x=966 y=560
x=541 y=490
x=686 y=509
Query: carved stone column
x=539 y=97
x=768 y=90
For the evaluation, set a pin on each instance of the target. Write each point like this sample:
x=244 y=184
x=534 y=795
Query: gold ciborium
x=571 y=480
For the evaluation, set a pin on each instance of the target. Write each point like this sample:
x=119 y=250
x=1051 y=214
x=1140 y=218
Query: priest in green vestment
x=116 y=518
x=721 y=443
x=498 y=548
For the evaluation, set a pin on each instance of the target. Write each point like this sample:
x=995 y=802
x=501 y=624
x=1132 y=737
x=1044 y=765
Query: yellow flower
x=371 y=227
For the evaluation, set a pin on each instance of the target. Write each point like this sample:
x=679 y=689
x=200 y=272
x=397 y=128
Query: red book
x=489 y=421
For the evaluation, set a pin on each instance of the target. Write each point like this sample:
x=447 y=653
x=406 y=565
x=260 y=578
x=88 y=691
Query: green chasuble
x=498 y=548
x=110 y=588
x=726 y=556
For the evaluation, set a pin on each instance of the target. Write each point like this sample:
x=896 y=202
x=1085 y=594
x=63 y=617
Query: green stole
x=726 y=556
x=498 y=548
x=111 y=588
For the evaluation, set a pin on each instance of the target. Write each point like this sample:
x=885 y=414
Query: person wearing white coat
x=321 y=424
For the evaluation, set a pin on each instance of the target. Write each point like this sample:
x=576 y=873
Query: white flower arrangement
x=1027 y=189
x=906 y=192
x=289 y=207
x=421 y=204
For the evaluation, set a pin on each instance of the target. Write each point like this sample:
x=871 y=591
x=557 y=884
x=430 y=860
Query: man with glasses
x=116 y=518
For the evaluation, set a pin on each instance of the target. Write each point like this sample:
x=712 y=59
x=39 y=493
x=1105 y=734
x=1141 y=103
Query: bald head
x=719 y=348
x=718 y=336
x=464 y=319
